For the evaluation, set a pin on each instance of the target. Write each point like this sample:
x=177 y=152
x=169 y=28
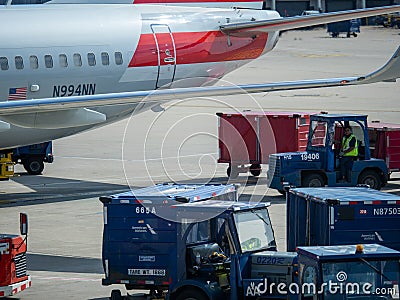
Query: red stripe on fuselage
x=199 y=47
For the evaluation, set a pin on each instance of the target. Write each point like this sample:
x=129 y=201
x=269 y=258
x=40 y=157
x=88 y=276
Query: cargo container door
x=393 y=150
x=238 y=142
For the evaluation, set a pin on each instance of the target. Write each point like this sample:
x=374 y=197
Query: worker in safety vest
x=348 y=153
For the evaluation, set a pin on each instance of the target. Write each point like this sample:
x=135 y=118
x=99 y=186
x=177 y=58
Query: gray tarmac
x=180 y=145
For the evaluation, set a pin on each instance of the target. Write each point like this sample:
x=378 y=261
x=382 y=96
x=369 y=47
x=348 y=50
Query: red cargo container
x=248 y=138
x=384 y=139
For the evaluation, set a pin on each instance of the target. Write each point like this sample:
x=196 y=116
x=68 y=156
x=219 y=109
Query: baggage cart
x=384 y=141
x=33 y=157
x=350 y=27
x=247 y=138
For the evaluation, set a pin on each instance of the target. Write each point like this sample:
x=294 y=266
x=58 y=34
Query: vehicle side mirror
x=23 y=223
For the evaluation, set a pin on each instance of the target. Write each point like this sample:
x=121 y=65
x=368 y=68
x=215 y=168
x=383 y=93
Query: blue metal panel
x=127 y=247
x=134 y=209
x=126 y=223
x=44 y=149
x=369 y=221
x=340 y=216
x=125 y=235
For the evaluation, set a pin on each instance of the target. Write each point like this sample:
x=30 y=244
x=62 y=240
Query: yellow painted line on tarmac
x=6 y=201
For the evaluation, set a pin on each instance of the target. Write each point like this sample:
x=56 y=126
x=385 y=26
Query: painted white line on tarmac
x=137 y=160
x=60 y=278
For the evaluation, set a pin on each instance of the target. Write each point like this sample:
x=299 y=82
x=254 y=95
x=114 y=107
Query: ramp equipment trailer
x=33 y=157
x=384 y=140
x=13 y=276
x=199 y=248
x=246 y=139
x=340 y=216
x=349 y=27
x=319 y=164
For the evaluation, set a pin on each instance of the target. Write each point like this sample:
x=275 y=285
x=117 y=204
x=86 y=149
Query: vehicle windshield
x=361 y=278
x=255 y=230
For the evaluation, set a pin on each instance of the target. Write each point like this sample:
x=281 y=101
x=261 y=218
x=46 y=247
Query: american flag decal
x=17 y=93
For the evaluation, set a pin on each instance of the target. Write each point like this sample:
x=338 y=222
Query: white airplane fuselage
x=72 y=50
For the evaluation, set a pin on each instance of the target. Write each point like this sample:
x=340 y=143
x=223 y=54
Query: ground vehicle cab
x=319 y=165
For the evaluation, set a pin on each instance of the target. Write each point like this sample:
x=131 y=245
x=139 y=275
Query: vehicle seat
x=361 y=150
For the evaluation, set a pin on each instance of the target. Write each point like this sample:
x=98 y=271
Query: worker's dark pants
x=346 y=164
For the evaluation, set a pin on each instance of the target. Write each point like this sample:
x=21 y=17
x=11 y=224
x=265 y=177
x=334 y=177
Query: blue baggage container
x=149 y=214
x=340 y=216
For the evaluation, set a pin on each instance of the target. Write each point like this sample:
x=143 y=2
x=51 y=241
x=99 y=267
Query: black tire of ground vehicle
x=116 y=295
x=34 y=165
x=232 y=172
x=255 y=170
x=370 y=178
x=192 y=294
x=312 y=180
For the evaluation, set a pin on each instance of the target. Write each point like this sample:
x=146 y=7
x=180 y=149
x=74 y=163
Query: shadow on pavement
x=51 y=263
x=43 y=189
x=278 y=199
x=392 y=188
x=50 y=189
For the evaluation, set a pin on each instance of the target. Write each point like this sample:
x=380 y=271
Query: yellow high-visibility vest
x=346 y=145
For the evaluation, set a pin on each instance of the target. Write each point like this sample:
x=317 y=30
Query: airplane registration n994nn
x=66 y=67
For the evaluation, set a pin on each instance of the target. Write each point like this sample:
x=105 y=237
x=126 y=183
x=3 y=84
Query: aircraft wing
x=287 y=23
x=17 y=109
